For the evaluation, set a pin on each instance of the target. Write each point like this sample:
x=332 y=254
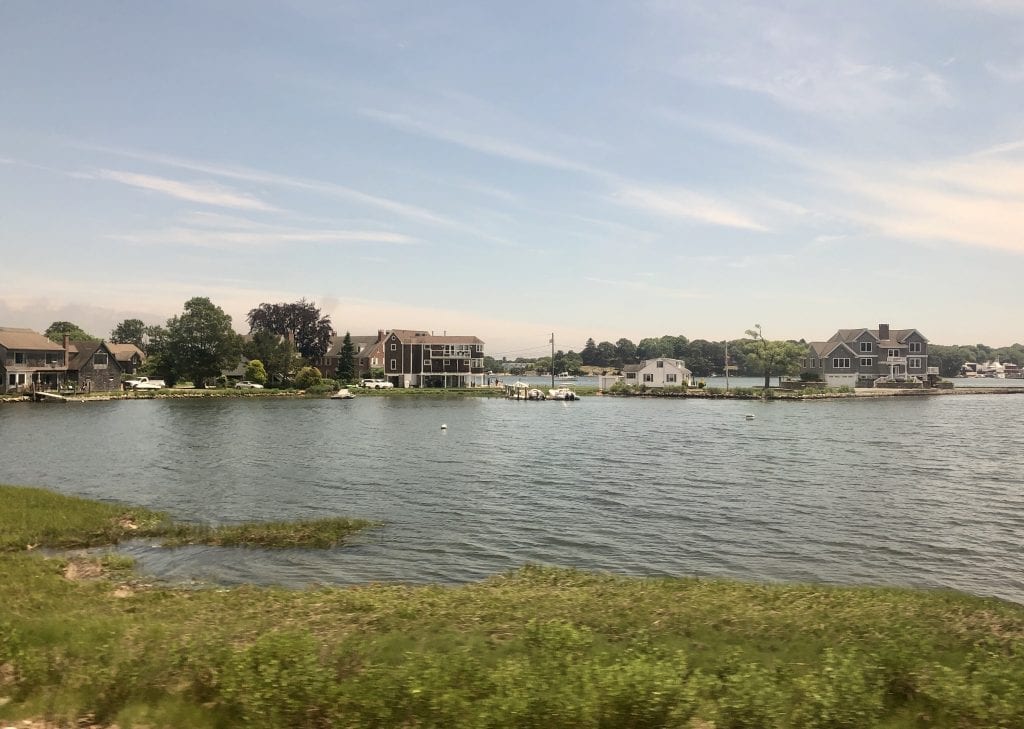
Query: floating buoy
x=750 y=416
x=444 y=426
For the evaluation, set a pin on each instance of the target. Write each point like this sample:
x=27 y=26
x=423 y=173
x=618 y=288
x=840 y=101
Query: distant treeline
x=706 y=358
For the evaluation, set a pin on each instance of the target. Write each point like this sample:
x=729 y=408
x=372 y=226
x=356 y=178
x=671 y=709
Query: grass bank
x=31 y=517
x=540 y=647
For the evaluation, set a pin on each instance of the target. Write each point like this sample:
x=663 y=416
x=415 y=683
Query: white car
x=377 y=384
x=246 y=385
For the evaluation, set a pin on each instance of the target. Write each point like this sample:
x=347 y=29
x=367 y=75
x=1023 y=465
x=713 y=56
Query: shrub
x=307 y=377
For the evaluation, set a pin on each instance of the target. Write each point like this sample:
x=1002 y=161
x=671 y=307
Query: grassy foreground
x=540 y=647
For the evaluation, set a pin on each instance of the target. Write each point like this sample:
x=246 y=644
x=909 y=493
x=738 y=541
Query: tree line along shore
x=85 y=640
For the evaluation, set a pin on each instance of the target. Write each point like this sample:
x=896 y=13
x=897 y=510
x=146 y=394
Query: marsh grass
x=34 y=517
x=539 y=647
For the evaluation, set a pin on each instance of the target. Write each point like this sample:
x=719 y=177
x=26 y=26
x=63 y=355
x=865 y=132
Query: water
x=900 y=491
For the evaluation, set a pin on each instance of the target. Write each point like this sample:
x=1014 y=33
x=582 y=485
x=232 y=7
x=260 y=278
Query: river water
x=925 y=491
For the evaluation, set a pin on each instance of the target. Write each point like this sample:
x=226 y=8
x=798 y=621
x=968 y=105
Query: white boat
x=562 y=393
x=566 y=376
x=343 y=394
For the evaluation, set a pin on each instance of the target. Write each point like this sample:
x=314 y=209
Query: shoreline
x=694 y=393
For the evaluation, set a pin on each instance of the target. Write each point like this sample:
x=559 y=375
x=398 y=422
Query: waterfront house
x=28 y=358
x=128 y=356
x=93 y=366
x=869 y=357
x=367 y=354
x=422 y=359
x=660 y=372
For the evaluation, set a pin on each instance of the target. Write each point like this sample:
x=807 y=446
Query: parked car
x=246 y=385
x=377 y=384
x=144 y=383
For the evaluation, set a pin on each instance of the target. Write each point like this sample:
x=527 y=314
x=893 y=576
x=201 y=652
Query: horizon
x=597 y=171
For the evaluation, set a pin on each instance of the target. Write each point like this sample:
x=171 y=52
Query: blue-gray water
x=900 y=491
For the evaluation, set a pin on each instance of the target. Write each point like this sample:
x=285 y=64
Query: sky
x=517 y=170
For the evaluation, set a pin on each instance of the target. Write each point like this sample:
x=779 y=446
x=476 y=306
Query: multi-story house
x=28 y=358
x=421 y=359
x=92 y=366
x=660 y=372
x=366 y=353
x=860 y=357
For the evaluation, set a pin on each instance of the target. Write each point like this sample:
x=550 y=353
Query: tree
x=311 y=332
x=308 y=377
x=590 y=355
x=56 y=331
x=769 y=357
x=625 y=353
x=606 y=354
x=277 y=354
x=256 y=372
x=346 y=371
x=130 y=331
x=201 y=342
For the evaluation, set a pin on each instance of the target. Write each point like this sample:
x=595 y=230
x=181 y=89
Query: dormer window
x=865 y=346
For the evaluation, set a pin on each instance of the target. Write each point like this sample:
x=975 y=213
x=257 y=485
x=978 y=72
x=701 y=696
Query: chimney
x=883 y=332
x=380 y=335
x=67 y=342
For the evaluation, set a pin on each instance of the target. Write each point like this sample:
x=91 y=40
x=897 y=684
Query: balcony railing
x=895 y=361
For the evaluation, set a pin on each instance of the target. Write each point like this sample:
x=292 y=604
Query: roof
x=895 y=335
x=83 y=352
x=824 y=349
x=411 y=336
x=359 y=343
x=124 y=352
x=632 y=368
x=14 y=338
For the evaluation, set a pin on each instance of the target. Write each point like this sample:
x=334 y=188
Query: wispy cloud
x=329 y=189
x=1012 y=73
x=686 y=205
x=485 y=144
x=206 y=193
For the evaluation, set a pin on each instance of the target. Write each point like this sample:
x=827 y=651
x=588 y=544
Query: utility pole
x=552 y=360
x=727 y=365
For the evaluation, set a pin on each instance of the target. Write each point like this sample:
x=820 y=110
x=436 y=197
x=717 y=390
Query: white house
x=661 y=372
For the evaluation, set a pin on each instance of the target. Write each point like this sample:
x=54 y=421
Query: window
x=54 y=358
x=840 y=363
x=19 y=358
x=915 y=348
x=99 y=359
x=648 y=377
x=866 y=361
x=660 y=363
x=12 y=379
x=670 y=377
x=814 y=363
x=894 y=353
x=393 y=346
x=914 y=362
x=631 y=375
x=865 y=346
x=394 y=364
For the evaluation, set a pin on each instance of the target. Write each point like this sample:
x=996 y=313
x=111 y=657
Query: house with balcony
x=870 y=357
x=656 y=373
x=422 y=359
x=29 y=360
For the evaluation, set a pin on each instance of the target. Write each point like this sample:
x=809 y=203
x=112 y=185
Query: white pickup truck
x=377 y=384
x=144 y=383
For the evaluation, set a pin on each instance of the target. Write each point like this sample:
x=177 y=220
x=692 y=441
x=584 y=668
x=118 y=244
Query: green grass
x=32 y=517
x=539 y=647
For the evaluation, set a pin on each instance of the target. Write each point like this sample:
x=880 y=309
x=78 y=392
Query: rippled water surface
x=909 y=491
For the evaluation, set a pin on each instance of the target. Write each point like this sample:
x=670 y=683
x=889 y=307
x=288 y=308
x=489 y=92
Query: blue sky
x=509 y=170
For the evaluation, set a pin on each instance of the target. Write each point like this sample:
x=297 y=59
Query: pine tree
x=346 y=371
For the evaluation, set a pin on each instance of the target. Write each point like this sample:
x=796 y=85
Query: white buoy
x=444 y=426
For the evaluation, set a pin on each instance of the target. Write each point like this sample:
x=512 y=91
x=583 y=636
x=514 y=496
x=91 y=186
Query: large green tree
x=277 y=354
x=58 y=329
x=346 y=371
x=310 y=331
x=130 y=331
x=772 y=357
x=201 y=343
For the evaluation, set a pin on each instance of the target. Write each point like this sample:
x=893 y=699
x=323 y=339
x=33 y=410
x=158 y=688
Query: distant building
x=660 y=372
x=865 y=357
x=422 y=359
x=366 y=353
x=28 y=358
